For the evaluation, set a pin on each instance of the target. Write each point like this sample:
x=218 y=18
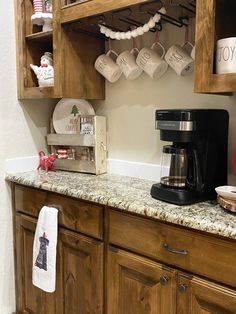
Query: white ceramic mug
x=108 y=67
x=193 y=53
x=151 y=62
x=127 y=62
x=179 y=59
x=226 y=55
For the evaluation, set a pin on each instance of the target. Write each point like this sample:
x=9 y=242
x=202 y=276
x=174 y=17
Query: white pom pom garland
x=134 y=33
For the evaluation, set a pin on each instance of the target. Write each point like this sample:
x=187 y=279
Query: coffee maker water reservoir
x=196 y=162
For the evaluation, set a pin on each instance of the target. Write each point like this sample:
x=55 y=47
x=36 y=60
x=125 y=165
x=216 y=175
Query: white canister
x=226 y=55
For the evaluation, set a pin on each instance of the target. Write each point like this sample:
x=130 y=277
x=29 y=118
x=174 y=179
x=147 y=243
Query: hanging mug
x=151 y=62
x=180 y=60
x=107 y=66
x=127 y=62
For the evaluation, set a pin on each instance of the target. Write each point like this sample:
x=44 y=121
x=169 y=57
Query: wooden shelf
x=39 y=36
x=214 y=20
x=37 y=93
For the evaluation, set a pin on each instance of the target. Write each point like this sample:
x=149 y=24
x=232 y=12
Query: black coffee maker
x=196 y=161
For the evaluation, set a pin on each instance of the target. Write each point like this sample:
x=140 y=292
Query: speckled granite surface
x=132 y=195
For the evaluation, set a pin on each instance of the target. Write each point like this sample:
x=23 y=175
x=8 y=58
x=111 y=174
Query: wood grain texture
x=80 y=78
x=29 y=299
x=207 y=255
x=134 y=285
x=94 y=7
x=80 y=274
x=203 y=296
x=214 y=20
x=73 y=213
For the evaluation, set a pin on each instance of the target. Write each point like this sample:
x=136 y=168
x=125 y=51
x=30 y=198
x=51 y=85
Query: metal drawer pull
x=175 y=251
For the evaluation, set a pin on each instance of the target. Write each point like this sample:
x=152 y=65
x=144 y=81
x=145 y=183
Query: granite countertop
x=131 y=195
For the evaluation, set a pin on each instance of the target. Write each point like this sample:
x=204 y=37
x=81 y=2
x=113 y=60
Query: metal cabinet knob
x=164 y=280
x=182 y=288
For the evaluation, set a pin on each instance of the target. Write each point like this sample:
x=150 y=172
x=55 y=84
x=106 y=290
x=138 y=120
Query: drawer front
x=192 y=251
x=72 y=213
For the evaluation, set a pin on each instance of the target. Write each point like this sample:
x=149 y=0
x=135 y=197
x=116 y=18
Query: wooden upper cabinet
x=215 y=19
x=31 y=44
x=198 y=296
x=74 y=55
x=72 y=10
x=138 y=285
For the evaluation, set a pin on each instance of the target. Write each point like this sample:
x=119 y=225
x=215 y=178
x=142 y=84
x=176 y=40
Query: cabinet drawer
x=195 y=252
x=72 y=213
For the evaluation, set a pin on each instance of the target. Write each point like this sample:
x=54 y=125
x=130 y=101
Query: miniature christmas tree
x=74 y=110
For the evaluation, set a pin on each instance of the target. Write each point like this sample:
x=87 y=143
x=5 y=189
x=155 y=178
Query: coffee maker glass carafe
x=174 y=166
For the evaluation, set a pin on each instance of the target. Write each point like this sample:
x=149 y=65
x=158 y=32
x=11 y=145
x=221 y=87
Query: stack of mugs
x=154 y=61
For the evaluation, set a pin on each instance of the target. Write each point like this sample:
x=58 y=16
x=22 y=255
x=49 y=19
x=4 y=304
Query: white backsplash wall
x=22 y=133
x=130 y=106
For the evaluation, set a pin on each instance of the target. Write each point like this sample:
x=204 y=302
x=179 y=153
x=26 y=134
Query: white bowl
x=227 y=191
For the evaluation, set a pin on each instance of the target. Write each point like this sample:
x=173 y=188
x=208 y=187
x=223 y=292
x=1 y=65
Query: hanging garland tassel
x=134 y=33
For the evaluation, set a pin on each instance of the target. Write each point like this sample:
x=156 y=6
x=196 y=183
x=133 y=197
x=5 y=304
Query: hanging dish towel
x=44 y=250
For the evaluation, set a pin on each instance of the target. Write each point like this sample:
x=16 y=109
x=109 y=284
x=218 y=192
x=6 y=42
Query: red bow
x=44 y=65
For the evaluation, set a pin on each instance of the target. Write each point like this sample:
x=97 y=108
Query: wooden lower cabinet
x=79 y=273
x=29 y=299
x=121 y=260
x=141 y=286
x=198 y=296
x=137 y=285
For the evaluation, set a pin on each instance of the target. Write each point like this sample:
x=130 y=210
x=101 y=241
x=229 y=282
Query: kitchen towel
x=44 y=250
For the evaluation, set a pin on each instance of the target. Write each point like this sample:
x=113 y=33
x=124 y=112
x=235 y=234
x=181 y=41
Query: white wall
x=22 y=131
x=130 y=106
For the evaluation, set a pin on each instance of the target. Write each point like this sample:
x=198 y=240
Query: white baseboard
x=116 y=166
x=21 y=164
x=134 y=169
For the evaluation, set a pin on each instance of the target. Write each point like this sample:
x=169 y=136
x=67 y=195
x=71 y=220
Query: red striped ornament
x=38 y=6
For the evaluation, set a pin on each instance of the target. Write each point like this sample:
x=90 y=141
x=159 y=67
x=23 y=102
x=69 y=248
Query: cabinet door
x=29 y=299
x=138 y=285
x=198 y=296
x=81 y=274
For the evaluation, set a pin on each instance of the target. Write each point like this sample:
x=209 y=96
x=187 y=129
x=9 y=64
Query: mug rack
x=123 y=20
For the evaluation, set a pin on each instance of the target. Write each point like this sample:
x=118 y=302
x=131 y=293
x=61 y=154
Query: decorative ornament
x=134 y=33
x=46 y=162
x=42 y=14
x=44 y=72
x=41 y=261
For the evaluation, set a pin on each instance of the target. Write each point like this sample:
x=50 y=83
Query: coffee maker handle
x=198 y=173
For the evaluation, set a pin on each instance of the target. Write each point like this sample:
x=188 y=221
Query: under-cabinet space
x=80 y=52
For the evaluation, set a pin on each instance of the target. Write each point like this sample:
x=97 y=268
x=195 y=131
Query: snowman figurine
x=44 y=72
